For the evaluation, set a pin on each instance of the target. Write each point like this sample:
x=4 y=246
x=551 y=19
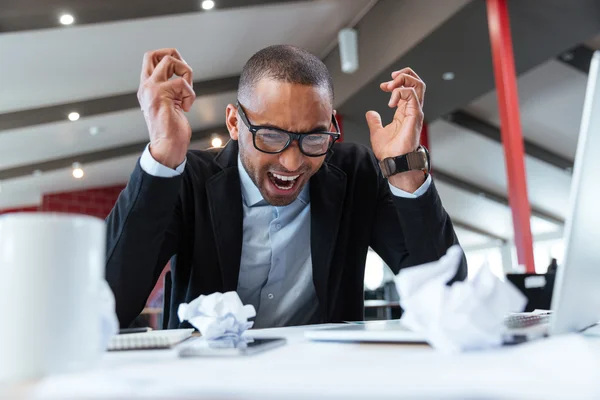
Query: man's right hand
x=163 y=101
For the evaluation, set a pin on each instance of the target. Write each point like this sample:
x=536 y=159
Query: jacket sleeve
x=412 y=231
x=142 y=235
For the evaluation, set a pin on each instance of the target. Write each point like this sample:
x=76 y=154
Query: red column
x=510 y=125
x=425 y=135
x=425 y=139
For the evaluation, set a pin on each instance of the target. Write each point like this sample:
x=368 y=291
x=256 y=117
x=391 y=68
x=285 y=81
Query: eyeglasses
x=272 y=140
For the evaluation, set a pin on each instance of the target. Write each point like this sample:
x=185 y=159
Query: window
x=545 y=250
x=490 y=258
x=374 y=271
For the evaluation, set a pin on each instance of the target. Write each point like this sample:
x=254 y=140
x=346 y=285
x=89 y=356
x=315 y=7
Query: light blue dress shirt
x=275 y=267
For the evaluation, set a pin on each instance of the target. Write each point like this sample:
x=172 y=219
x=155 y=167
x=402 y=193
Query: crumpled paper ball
x=467 y=315
x=218 y=316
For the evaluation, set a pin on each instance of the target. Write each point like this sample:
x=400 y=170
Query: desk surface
x=558 y=368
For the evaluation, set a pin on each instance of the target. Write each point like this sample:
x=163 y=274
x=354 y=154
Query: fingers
x=374 y=121
x=407 y=71
x=406 y=81
x=407 y=104
x=156 y=84
x=182 y=90
x=152 y=58
x=398 y=93
x=169 y=66
x=404 y=78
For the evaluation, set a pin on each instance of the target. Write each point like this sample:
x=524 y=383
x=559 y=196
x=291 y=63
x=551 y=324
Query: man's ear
x=231 y=120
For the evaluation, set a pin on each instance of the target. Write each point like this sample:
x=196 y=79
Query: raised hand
x=163 y=101
x=402 y=135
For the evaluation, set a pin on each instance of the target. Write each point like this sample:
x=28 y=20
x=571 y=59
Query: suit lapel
x=225 y=204
x=327 y=193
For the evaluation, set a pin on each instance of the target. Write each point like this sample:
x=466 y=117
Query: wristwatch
x=416 y=160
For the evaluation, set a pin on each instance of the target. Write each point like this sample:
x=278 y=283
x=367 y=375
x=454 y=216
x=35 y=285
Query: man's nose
x=292 y=158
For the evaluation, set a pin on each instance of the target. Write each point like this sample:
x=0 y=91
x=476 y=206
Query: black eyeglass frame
x=291 y=135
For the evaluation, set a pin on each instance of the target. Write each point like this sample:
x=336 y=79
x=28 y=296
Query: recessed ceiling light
x=217 y=142
x=94 y=130
x=74 y=116
x=77 y=171
x=208 y=4
x=66 y=19
x=448 y=76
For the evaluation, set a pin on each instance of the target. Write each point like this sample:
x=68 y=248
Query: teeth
x=284 y=188
x=285 y=178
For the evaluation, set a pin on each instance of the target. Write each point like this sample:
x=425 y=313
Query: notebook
x=160 y=339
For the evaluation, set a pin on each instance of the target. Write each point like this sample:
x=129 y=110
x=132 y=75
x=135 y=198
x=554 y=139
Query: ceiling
x=92 y=67
x=99 y=61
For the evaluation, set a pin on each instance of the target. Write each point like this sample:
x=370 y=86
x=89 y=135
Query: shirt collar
x=251 y=194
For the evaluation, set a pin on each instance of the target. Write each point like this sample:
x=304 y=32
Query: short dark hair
x=284 y=63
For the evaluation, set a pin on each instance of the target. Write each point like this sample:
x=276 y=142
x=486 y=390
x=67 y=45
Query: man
x=280 y=214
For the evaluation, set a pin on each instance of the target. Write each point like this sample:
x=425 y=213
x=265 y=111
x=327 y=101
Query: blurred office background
x=71 y=130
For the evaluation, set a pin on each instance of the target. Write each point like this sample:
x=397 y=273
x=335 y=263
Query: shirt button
x=270 y=296
x=278 y=226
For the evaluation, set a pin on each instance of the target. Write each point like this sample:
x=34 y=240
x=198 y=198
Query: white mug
x=51 y=277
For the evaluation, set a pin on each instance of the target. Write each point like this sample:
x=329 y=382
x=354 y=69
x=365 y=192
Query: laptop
x=576 y=298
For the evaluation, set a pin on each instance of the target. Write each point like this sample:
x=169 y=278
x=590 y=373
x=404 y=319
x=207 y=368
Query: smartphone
x=134 y=330
x=201 y=348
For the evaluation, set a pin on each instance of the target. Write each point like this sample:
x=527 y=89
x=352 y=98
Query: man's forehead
x=289 y=106
x=270 y=92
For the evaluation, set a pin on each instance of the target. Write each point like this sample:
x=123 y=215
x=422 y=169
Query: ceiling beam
x=96 y=156
x=479 y=231
x=102 y=105
x=490 y=195
x=23 y=15
x=481 y=127
x=579 y=57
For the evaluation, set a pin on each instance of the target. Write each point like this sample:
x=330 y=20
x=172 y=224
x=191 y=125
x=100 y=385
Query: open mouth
x=283 y=182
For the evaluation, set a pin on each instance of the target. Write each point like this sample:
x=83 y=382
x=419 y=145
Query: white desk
x=561 y=367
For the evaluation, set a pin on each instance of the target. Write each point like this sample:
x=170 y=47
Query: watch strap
x=416 y=160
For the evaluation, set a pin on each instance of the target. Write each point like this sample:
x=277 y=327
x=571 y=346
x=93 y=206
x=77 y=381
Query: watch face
x=427 y=158
x=417 y=160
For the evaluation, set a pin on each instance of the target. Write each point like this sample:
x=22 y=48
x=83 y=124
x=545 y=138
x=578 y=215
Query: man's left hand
x=402 y=135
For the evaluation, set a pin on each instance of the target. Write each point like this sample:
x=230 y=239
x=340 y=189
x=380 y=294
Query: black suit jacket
x=196 y=220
